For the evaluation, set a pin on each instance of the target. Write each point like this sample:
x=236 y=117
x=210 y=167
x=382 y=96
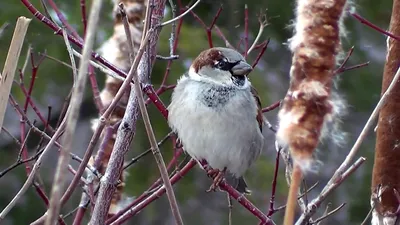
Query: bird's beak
x=241 y=69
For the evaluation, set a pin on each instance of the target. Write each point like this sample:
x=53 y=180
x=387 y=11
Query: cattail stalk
x=385 y=197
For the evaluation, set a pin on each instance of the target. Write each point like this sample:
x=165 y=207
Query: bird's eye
x=223 y=64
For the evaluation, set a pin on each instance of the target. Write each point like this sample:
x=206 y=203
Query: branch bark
x=126 y=130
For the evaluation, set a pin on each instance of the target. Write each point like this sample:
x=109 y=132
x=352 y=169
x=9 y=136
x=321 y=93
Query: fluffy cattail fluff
x=308 y=106
x=116 y=51
x=386 y=172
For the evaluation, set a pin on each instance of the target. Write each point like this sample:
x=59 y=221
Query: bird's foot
x=218 y=176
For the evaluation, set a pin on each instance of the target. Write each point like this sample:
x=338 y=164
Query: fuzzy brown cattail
x=116 y=51
x=307 y=106
x=386 y=171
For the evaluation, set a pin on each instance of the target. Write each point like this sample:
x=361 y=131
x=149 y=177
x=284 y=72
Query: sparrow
x=217 y=115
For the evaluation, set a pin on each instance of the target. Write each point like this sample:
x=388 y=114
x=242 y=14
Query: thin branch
x=271 y=209
x=3 y=27
x=102 y=68
x=261 y=53
x=181 y=15
x=83 y=13
x=329 y=214
x=172 y=38
x=71 y=55
x=314 y=204
x=210 y=27
x=137 y=158
x=230 y=207
x=373 y=26
x=63 y=20
x=262 y=19
x=222 y=36
x=364 y=131
x=246 y=30
x=73 y=115
x=149 y=129
x=31 y=176
x=58 y=31
x=155 y=195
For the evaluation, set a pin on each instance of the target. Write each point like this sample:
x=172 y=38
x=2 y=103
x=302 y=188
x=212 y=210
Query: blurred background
x=360 y=88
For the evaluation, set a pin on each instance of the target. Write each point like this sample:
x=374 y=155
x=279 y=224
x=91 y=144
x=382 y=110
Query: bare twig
x=315 y=203
x=101 y=67
x=271 y=209
x=156 y=194
x=230 y=206
x=364 y=131
x=246 y=30
x=137 y=158
x=71 y=55
x=263 y=23
x=327 y=214
x=210 y=27
x=373 y=26
x=181 y=15
x=72 y=116
x=3 y=28
x=35 y=169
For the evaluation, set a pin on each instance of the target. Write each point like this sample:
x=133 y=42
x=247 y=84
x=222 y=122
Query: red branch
x=373 y=26
x=208 y=28
x=241 y=198
x=64 y=21
x=261 y=53
x=84 y=17
x=271 y=209
x=246 y=30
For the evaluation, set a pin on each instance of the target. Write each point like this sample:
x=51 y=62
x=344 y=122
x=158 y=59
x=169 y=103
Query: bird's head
x=221 y=66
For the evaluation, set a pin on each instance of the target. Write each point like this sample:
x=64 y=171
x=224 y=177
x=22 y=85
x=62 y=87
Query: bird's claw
x=218 y=176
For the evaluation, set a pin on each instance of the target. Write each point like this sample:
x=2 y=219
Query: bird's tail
x=238 y=183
